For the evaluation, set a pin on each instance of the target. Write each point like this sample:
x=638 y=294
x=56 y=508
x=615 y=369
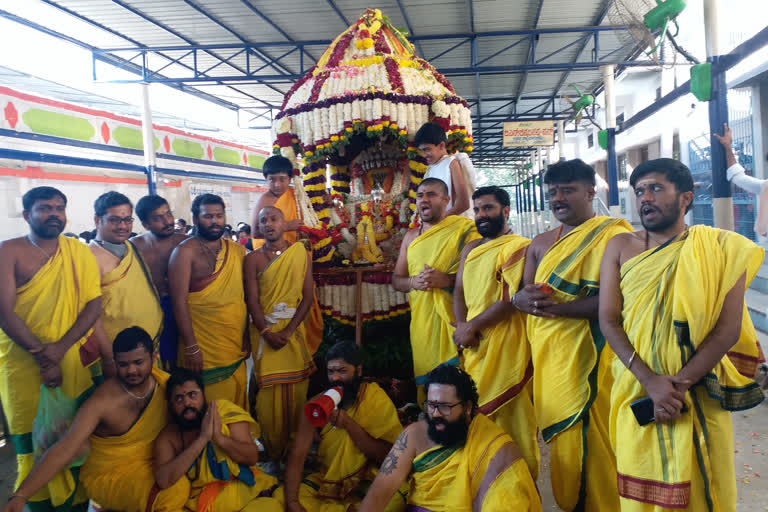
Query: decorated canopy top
x=370 y=81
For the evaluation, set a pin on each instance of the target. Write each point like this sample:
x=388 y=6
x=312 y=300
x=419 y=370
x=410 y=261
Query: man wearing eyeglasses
x=457 y=459
x=212 y=445
x=129 y=297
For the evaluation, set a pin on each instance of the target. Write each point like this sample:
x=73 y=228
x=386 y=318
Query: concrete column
x=760 y=128
x=722 y=202
x=561 y=140
x=666 y=130
x=148 y=137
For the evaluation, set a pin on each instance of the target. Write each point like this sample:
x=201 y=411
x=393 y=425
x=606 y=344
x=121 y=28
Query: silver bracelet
x=631 y=358
x=514 y=302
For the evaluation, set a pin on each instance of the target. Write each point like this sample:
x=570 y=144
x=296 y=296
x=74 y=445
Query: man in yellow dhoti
x=278 y=280
x=129 y=297
x=212 y=443
x=118 y=422
x=490 y=332
x=49 y=301
x=671 y=306
x=426 y=269
x=205 y=274
x=357 y=438
x=459 y=460
x=278 y=172
x=572 y=376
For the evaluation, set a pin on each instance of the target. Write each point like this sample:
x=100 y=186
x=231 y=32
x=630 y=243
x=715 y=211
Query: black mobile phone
x=643 y=410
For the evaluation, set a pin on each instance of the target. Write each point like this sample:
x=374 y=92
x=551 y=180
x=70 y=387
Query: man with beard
x=458 y=459
x=490 y=332
x=355 y=441
x=49 y=301
x=572 y=369
x=129 y=297
x=671 y=307
x=155 y=248
x=426 y=270
x=278 y=281
x=205 y=274
x=118 y=424
x=212 y=446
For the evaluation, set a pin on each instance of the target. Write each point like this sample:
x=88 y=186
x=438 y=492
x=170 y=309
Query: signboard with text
x=529 y=133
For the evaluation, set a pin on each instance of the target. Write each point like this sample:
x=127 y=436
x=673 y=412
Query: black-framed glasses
x=443 y=409
x=116 y=221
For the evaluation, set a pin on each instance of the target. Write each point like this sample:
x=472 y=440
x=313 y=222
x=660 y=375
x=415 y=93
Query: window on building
x=620 y=119
x=658 y=93
x=643 y=154
x=590 y=140
x=676 y=146
x=622 y=163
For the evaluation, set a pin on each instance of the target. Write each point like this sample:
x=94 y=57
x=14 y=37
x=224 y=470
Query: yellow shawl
x=118 y=473
x=219 y=314
x=49 y=304
x=214 y=474
x=486 y=473
x=501 y=364
x=345 y=466
x=280 y=286
x=432 y=310
x=673 y=296
x=129 y=298
x=566 y=351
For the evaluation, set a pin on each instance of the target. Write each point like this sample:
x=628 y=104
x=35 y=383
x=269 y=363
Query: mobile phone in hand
x=643 y=410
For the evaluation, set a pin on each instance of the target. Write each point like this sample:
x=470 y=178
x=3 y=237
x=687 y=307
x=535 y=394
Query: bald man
x=279 y=293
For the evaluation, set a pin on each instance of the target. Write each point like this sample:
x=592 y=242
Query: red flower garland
x=296 y=85
x=380 y=43
x=318 y=85
x=339 y=49
x=395 y=80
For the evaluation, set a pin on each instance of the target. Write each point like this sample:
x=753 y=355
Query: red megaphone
x=319 y=410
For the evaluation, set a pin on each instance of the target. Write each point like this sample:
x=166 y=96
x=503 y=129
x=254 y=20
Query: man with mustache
x=353 y=443
x=155 y=248
x=205 y=274
x=278 y=281
x=457 y=459
x=49 y=301
x=572 y=377
x=212 y=445
x=115 y=427
x=672 y=307
x=128 y=295
x=490 y=332
x=426 y=270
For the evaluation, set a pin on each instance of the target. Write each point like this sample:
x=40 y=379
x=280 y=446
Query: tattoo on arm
x=390 y=463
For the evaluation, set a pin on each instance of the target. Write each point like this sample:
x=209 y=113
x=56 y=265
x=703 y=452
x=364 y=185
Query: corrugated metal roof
x=158 y=23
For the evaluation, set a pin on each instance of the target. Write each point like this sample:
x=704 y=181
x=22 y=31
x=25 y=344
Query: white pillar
x=561 y=139
x=666 y=130
x=148 y=137
x=722 y=207
x=610 y=95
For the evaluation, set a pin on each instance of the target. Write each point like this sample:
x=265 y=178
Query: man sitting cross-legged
x=460 y=461
x=120 y=419
x=213 y=445
x=353 y=443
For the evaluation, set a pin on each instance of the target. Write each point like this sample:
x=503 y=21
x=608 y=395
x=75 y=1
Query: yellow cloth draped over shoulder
x=432 y=310
x=118 y=472
x=49 y=304
x=572 y=381
x=672 y=298
x=282 y=375
x=313 y=324
x=486 y=474
x=501 y=364
x=221 y=485
x=219 y=317
x=347 y=471
x=280 y=286
x=129 y=298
